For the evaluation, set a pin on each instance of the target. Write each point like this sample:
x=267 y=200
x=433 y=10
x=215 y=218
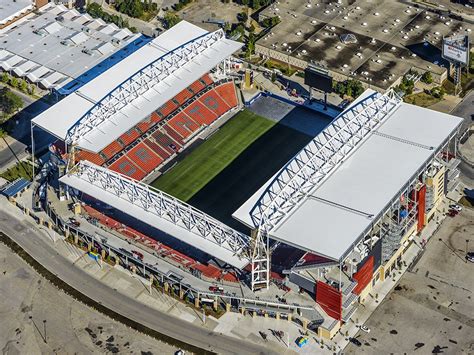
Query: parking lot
x=431 y=309
x=388 y=34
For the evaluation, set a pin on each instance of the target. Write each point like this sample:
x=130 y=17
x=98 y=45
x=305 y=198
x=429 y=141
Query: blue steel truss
x=143 y=80
x=310 y=167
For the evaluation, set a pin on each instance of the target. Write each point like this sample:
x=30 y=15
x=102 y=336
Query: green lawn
x=210 y=158
x=421 y=99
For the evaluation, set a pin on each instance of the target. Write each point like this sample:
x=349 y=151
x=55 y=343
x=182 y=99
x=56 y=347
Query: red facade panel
x=421 y=207
x=364 y=275
x=330 y=299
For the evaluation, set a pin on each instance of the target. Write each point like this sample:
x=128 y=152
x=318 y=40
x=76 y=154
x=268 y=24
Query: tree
x=9 y=102
x=133 y=8
x=5 y=78
x=14 y=82
x=427 y=78
x=242 y=17
x=170 y=19
x=23 y=86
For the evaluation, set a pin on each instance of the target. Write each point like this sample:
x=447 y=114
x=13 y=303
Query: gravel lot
x=71 y=327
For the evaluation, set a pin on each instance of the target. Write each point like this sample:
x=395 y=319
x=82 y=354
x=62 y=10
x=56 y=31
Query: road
x=21 y=131
x=27 y=236
x=465 y=109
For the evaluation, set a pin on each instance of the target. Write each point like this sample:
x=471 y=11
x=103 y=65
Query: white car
x=456 y=207
x=365 y=328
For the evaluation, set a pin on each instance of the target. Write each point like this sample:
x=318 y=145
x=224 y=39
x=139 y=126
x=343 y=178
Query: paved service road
x=27 y=236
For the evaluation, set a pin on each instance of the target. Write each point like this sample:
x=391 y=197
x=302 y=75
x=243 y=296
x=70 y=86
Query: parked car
x=456 y=207
x=452 y=213
x=365 y=328
x=137 y=254
x=215 y=288
x=470 y=256
x=355 y=341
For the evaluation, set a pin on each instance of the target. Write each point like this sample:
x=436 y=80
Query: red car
x=137 y=254
x=452 y=213
x=216 y=289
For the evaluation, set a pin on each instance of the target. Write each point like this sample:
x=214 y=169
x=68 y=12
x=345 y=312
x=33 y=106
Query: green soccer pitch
x=211 y=157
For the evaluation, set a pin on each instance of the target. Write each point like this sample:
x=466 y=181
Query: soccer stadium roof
x=344 y=202
x=65 y=42
x=161 y=211
x=118 y=99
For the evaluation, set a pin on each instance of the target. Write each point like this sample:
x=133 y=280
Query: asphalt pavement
x=35 y=244
x=21 y=131
x=465 y=109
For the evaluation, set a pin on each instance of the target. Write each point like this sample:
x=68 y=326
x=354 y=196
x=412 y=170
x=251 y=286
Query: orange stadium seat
x=157 y=149
x=227 y=93
x=144 y=157
x=156 y=116
x=207 y=79
x=112 y=149
x=183 y=96
x=196 y=87
x=129 y=136
x=173 y=134
x=199 y=113
x=167 y=108
x=125 y=166
x=213 y=102
x=92 y=157
x=166 y=142
x=183 y=125
x=145 y=125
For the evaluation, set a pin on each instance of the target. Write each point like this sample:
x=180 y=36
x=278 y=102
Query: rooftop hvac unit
x=115 y=41
x=87 y=51
x=66 y=42
x=347 y=38
x=86 y=29
x=59 y=18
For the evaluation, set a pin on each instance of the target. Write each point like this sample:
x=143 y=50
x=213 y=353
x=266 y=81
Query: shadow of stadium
x=226 y=192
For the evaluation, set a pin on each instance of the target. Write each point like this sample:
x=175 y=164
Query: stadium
x=159 y=166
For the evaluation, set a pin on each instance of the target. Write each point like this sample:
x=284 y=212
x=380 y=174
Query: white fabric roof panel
x=123 y=33
x=12 y=62
x=335 y=214
x=105 y=48
x=132 y=114
x=52 y=80
x=23 y=69
x=79 y=38
x=154 y=221
x=53 y=27
x=36 y=75
x=108 y=29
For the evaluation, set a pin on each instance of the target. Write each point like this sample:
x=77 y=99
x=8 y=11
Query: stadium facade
x=348 y=205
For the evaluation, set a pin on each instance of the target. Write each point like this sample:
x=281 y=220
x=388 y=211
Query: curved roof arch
x=320 y=157
x=140 y=82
